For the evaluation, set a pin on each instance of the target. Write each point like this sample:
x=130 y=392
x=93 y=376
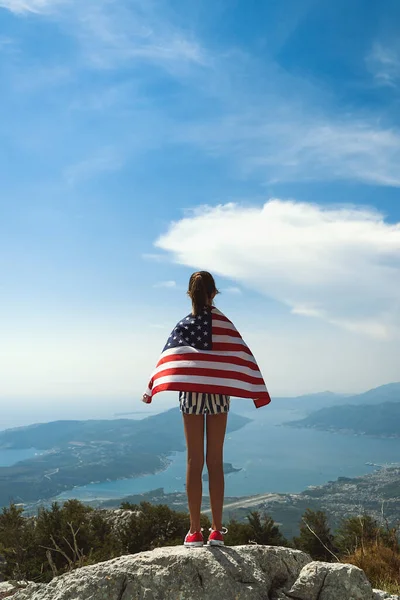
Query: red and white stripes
x=229 y=368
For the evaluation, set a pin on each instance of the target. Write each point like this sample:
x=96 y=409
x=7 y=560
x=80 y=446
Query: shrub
x=380 y=564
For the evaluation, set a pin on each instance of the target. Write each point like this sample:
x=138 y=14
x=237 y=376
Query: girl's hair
x=201 y=289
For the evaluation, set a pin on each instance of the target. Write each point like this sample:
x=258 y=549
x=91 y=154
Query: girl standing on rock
x=206 y=360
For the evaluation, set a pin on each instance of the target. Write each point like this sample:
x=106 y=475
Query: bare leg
x=194 y=433
x=216 y=427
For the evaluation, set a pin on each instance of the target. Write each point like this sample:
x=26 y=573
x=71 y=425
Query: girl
x=206 y=361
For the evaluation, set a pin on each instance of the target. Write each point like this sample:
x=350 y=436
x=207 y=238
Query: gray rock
x=242 y=572
x=378 y=595
x=9 y=588
x=119 y=519
x=326 y=581
x=229 y=573
x=6 y=587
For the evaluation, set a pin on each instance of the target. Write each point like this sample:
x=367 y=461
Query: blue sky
x=143 y=139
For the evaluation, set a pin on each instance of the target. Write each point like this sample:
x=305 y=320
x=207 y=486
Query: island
x=228 y=468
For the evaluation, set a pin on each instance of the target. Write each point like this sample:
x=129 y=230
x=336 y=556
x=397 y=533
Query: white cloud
x=29 y=6
x=289 y=146
x=384 y=63
x=282 y=129
x=113 y=33
x=232 y=290
x=165 y=284
x=339 y=264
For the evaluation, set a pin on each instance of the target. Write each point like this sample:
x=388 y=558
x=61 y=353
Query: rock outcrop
x=118 y=518
x=241 y=573
x=9 y=588
x=384 y=596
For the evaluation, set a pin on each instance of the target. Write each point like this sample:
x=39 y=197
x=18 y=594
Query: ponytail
x=201 y=290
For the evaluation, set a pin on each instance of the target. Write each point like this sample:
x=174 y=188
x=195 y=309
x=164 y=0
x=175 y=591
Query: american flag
x=206 y=353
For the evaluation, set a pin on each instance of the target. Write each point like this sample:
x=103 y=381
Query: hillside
x=384 y=393
x=375 y=419
x=312 y=402
x=79 y=452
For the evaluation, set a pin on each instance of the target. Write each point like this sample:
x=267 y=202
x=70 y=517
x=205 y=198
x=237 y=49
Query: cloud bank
x=340 y=264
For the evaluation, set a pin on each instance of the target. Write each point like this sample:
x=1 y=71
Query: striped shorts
x=196 y=403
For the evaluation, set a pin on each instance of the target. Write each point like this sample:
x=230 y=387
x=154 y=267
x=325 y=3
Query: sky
x=143 y=139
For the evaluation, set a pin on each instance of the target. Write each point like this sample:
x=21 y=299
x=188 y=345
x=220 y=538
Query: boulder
x=118 y=518
x=378 y=595
x=251 y=572
x=326 y=581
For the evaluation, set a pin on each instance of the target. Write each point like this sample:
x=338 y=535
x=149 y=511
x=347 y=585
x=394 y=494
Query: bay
x=272 y=458
x=8 y=458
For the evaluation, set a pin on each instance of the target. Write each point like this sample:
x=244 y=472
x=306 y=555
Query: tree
x=240 y=534
x=264 y=530
x=315 y=536
x=356 y=533
x=152 y=526
x=16 y=542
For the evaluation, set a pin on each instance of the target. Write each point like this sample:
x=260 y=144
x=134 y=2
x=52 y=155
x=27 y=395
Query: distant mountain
x=308 y=402
x=311 y=402
x=370 y=419
x=159 y=432
x=384 y=393
x=79 y=452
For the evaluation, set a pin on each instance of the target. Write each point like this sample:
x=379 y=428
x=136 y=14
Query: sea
x=272 y=456
x=8 y=458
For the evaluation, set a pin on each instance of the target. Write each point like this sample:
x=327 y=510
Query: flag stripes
x=206 y=354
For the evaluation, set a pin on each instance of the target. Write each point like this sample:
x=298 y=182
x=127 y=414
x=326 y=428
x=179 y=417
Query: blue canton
x=192 y=331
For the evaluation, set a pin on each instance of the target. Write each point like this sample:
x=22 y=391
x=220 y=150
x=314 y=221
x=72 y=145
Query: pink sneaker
x=194 y=539
x=216 y=538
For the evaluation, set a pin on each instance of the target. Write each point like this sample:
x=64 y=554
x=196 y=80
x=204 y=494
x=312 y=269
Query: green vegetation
x=361 y=541
x=381 y=420
x=315 y=536
x=76 y=453
x=60 y=538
